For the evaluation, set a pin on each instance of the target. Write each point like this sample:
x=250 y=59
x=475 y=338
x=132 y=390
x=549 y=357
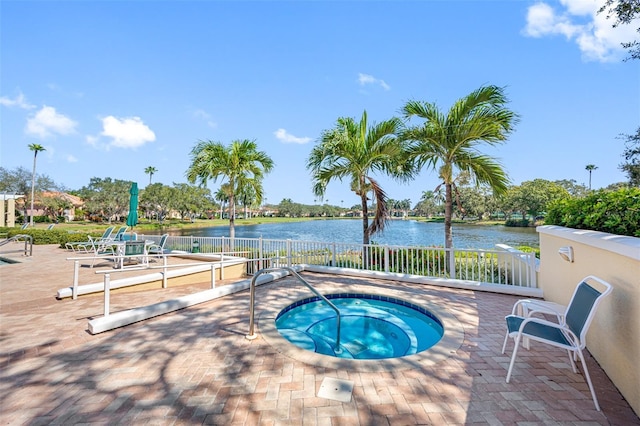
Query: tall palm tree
x=590 y=168
x=150 y=171
x=355 y=150
x=36 y=148
x=449 y=143
x=240 y=163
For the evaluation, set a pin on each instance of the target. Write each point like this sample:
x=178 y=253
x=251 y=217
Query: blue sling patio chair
x=158 y=250
x=568 y=333
x=120 y=233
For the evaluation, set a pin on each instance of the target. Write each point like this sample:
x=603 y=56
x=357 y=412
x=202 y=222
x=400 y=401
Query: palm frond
x=381 y=217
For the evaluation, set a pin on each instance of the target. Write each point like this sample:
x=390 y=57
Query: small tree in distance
x=150 y=171
x=36 y=148
x=590 y=168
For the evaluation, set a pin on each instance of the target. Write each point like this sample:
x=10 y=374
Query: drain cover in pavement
x=336 y=389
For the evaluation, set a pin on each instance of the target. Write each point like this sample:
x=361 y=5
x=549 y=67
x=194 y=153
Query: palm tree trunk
x=365 y=232
x=448 y=214
x=448 y=238
x=365 y=220
x=232 y=228
x=33 y=184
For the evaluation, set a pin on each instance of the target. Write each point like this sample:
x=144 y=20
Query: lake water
x=398 y=232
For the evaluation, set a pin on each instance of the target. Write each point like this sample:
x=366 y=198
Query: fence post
x=107 y=293
x=260 y=253
x=76 y=270
x=386 y=258
x=213 y=275
x=164 y=271
x=333 y=255
x=289 y=253
x=532 y=281
x=452 y=263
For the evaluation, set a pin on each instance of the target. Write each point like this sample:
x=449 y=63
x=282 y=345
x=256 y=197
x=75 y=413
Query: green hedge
x=615 y=212
x=42 y=236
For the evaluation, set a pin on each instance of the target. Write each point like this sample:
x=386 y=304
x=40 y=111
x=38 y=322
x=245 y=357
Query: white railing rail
x=503 y=265
x=217 y=261
x=164 y=268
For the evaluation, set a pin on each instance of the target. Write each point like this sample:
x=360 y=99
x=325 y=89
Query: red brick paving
x=195 y=367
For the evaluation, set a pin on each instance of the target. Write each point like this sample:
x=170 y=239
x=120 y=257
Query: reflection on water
x=398 y=232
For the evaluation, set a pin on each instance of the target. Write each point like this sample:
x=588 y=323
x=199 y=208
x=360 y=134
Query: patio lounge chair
x=90 y=243
x=103 y=249
x=120 y=233
x=158 y=249
x=569 y=333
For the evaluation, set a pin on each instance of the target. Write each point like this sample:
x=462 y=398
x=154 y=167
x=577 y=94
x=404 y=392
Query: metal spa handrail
x=28 y=244
x=252 y=301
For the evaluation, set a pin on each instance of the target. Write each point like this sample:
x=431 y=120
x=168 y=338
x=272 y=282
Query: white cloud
x=48 y=122
x=365 y=79
x=201 y=114
x=92 y=140
x=19 y=101
x=581 y=23
x=126 y=132
x=283 y=136
x=71 y=159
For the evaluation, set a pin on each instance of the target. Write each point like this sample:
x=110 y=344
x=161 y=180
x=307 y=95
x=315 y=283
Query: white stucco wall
x=614 y=336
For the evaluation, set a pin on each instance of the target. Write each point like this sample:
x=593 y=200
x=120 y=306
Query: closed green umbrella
x=132 y=218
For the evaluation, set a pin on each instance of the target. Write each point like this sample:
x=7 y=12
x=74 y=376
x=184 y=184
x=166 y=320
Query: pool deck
x=194 y=366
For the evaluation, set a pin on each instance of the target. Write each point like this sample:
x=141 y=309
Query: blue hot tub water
x=372 y=326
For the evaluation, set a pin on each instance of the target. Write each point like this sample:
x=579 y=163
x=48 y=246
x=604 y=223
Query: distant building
x=8 y=209
x=69 y=213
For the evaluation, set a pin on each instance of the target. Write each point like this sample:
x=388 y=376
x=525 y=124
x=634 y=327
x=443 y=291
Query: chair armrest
x=562 y=327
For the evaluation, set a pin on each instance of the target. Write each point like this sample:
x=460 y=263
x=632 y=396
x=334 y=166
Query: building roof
x=76 y=201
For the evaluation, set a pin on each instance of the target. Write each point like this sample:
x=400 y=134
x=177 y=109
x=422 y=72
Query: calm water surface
x=398 y=232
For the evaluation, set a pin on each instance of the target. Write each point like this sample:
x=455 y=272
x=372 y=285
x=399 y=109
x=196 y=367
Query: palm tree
x=590 y=168
x=247 y=198
x=353 y=150
x=150 y=171
x=36 y=148
x=222 y=195
x=450 y=142
x=240 y=163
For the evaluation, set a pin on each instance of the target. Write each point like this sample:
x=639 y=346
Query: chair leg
x=571 y=357
x=586 y=375
x=513 y=357
x=504 y=345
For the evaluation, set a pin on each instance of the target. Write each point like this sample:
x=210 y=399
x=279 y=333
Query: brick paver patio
x=195 y=366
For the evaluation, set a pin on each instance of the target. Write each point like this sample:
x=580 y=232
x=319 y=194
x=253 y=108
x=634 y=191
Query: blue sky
x=110 y=88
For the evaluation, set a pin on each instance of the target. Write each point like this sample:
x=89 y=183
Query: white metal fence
x=501 y=266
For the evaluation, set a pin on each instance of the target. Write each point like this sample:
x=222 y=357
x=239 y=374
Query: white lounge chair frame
x=90 y=244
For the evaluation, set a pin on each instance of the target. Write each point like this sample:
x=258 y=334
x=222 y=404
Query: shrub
x=517 y=223
x=615 y=212
x=53 y=236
